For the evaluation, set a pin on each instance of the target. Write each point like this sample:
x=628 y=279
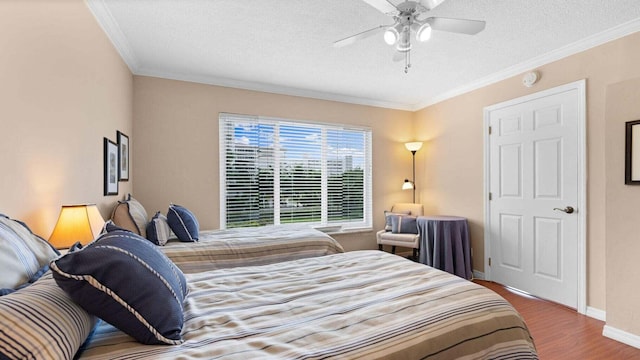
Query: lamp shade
x=408 y=185
x=413 y=146
x=81 y=223
x=392 y=35
x=424 y=32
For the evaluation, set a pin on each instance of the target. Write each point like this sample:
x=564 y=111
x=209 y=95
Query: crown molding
x=587 y=43
x=274 y=89
x=110 y=27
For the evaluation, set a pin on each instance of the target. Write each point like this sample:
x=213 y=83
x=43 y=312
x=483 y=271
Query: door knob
x=568 y=209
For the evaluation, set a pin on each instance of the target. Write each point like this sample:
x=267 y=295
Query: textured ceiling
x=285 y=46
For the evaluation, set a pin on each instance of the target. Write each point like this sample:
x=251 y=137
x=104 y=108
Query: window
x=276 y=172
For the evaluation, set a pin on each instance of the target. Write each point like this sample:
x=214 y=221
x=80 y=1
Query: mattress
x=361 y=304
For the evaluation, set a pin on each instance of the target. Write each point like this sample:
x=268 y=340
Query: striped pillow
x=125 y=280
x=404 y=224
x=131 y=215
x=183 y=223
x=158 y=231
x=42 y=322
x=22 y=253
x=388 y=215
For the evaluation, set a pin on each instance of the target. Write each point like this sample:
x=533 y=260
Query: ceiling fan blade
x=384 y=6
x=363 y=35
x=463 y=26
x=430 y=4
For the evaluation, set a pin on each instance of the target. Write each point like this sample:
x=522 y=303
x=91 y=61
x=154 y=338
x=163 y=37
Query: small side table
x=445 y=244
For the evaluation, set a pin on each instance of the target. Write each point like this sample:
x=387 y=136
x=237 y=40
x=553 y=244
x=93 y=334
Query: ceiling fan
x=407 y=19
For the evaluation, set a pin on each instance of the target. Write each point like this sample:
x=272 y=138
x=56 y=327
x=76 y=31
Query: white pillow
x=22 y=253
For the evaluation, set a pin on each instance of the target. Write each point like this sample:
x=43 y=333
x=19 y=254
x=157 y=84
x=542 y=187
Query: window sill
x=350 y=231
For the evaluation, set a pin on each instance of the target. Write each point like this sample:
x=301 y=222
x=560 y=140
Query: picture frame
x=632 y=153
x=123 y=156
x=110 y=167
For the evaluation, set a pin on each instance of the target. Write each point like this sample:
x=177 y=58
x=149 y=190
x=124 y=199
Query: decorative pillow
x=183 y=223
x=130 y=215
x=387 y=217
x=22 y=253
x=42 y=322
x=33 y=279
x=110 y=226
x=125 y=280
x=404 y=224
x=158 y=230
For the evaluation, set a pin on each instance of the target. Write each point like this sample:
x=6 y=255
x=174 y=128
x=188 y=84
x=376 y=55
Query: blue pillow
x=125 y=280
x=158 y=231
x=183 y=223
x=404 y=224
x=41 y=322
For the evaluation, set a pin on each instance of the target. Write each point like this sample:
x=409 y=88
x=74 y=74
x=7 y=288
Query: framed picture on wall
x=110 y=167
x=123 y=157
x=632 y=153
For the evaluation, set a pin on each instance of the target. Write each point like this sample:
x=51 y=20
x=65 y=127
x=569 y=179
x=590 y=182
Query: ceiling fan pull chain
x=407 y=61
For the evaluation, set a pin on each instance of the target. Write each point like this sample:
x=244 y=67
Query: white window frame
x=364 y=225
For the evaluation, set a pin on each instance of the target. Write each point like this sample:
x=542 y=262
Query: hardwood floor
x=560 y=332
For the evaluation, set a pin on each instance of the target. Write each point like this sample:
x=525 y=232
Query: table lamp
x=81 y=223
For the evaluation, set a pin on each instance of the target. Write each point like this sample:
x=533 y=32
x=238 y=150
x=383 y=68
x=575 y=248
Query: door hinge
x=489 y=261
x=489 y=130
x=490 y=197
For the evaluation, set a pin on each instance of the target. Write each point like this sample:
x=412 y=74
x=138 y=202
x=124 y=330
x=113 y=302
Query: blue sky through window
x=299 y=143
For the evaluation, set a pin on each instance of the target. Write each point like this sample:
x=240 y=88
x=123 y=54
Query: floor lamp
x=411 y=185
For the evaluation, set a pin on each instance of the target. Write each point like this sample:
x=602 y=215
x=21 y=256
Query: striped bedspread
x=355 y=305
x=219 y=249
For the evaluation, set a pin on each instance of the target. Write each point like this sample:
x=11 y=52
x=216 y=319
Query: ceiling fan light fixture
x=424 y=32
x=391 y=36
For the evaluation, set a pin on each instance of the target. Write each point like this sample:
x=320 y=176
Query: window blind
x=277 y=172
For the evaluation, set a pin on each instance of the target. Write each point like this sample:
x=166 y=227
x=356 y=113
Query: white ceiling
x=285 y=46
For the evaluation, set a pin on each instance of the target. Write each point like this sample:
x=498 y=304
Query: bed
x=217 y=249
x=360 y=304
x=179 y=236
x=344 y=306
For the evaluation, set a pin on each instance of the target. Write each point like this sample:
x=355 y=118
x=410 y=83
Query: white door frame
x=581 y=205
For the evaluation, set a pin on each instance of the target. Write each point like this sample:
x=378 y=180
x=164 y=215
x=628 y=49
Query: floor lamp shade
x=413 y=146
x=81 y=223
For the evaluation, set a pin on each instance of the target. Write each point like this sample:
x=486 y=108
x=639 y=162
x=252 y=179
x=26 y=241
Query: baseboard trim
x=591 y=311
x=621 y=336
x=596 y=313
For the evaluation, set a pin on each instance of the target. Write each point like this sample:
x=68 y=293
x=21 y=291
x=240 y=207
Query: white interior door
x=535 y=203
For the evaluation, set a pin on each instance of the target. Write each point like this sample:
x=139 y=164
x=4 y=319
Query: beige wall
x=622 y=210
x=176 y=134
x=63 y=88
x=453 y=166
